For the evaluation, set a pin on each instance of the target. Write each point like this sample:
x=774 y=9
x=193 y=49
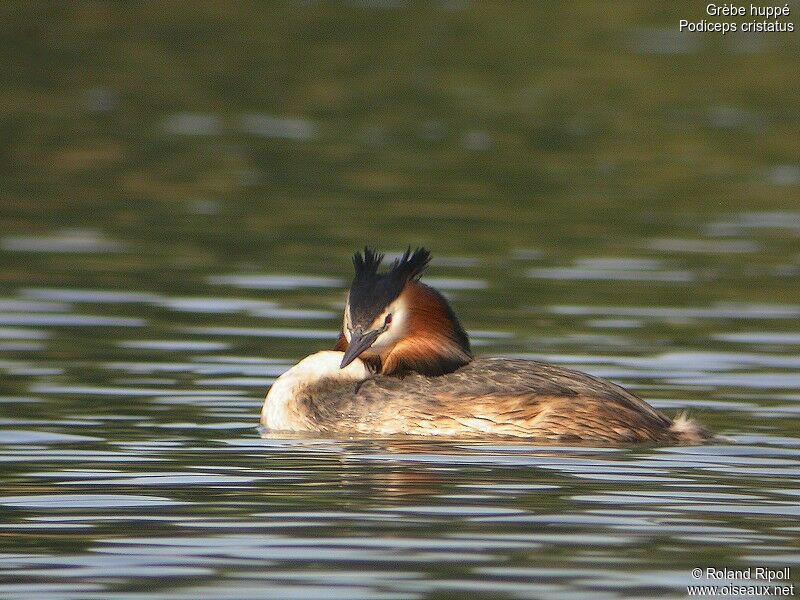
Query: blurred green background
x=290 y=133
x=182 y=185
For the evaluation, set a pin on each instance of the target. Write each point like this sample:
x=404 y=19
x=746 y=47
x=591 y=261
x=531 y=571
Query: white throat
x=281 y=412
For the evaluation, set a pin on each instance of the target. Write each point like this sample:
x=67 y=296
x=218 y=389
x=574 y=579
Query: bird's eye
x=388 y=319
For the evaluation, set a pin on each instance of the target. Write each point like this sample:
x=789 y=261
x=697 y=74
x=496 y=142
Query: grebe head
x=397 y=324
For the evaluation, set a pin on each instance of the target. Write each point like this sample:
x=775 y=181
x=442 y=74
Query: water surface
x=180 y=200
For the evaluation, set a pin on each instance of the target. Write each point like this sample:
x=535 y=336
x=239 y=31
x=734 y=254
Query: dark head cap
x=371 y=292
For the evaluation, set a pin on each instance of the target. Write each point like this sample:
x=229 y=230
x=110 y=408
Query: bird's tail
x=686 y=430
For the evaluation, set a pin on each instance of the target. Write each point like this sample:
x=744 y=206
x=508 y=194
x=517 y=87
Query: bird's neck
x=283 y=408
x=434 y=343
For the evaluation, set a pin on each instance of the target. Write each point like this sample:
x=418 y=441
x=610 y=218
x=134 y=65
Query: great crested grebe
x=403 y=365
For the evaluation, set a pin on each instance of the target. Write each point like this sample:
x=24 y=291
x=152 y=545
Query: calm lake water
x=179 y=202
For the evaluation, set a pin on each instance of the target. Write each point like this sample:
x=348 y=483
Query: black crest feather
x=411 y=264
x=371 y=291
x=366 y=264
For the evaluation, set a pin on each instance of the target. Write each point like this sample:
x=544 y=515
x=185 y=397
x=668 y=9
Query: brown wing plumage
x=490 y=396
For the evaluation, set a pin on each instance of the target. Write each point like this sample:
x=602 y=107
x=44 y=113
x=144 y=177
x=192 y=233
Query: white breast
x=280 y=410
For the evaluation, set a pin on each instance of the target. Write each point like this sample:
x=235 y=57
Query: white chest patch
x=281 y=411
